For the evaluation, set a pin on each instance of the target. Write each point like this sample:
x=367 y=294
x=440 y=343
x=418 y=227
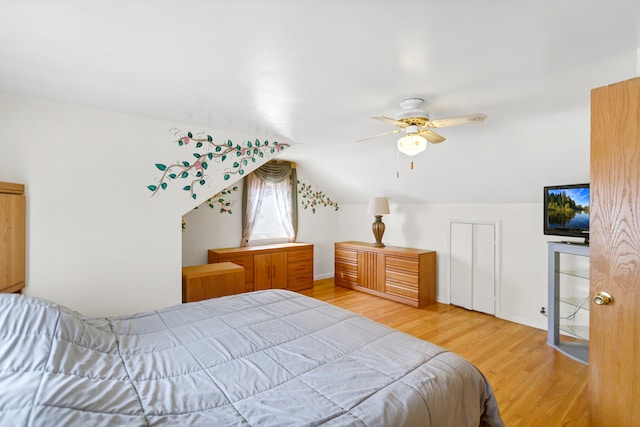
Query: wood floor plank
x=534 y=384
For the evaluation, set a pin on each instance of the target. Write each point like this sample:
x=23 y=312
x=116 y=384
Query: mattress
x=267 y=358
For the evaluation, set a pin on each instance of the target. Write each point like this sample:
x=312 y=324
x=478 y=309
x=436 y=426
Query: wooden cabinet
x=270 y=271
x=12 y=237
x=211 y=281
x=283 y=266
x=404 y=275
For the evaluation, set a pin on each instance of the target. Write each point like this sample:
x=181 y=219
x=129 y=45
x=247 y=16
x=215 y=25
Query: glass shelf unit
x=568 y=314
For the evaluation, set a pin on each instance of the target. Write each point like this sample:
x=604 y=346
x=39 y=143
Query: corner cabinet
x=404 y=275
x=12 y=237
x=568 y=316
x=283 y=266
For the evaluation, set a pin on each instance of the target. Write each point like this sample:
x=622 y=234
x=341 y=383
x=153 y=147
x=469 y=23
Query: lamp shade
x=378 y=206
x=412 y=144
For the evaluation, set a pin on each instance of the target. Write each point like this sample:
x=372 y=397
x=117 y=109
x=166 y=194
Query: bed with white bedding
x=267 y=358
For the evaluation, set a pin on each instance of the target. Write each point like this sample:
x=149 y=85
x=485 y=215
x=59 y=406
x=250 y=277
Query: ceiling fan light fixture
x=412 y=144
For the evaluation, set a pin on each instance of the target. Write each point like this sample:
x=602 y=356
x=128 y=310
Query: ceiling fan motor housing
x=411 y=113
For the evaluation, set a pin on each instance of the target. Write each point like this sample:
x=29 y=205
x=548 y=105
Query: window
x=269 y=199
x=269 y=226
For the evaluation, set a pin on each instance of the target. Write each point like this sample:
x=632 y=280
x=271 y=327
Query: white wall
x=207 y=228
x=96 y=241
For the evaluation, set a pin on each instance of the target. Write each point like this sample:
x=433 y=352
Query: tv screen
x=566 y=210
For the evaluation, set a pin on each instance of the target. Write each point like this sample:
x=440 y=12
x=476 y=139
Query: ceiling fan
x=414 y=122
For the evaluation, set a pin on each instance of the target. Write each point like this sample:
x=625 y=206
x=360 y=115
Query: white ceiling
x=311 y=73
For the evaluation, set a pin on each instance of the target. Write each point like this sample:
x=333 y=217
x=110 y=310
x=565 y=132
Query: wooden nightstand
x=211 y=280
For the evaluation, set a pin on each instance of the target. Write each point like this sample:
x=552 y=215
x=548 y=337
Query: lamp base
x=378 y=231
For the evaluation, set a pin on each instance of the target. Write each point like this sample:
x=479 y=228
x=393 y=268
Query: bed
x=263 y=358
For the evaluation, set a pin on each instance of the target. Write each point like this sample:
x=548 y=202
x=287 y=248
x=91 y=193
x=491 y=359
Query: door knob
x=603 y=298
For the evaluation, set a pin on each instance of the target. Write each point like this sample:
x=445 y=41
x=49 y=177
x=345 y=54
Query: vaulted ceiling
x=310 y=73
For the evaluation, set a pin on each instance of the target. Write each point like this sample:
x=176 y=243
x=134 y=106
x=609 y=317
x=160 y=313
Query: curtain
x=255 y=187
x=284 y=179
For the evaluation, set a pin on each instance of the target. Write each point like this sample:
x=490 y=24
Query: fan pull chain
x=398 y=165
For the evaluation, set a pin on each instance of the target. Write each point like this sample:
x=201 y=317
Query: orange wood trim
x=11 y=188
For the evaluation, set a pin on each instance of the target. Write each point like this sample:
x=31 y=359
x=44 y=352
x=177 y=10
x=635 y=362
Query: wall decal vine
x=205 y=151
x=220 y=202
x=312 y=199
x=217 y=200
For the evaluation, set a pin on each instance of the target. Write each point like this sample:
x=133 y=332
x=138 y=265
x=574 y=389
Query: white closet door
x=461 y=272
x=484 y=262
x=472 y=266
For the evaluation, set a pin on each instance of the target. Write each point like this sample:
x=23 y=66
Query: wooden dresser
x=13 y=214
x=404 y=275
x=284 y=266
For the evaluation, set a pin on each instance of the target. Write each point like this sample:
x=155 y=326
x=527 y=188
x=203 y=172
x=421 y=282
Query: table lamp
x=378 y=206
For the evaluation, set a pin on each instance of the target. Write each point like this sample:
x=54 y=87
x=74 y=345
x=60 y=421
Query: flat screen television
x=566 y=210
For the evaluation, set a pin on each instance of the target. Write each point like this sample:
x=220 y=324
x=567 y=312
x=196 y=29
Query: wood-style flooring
x=534 y=384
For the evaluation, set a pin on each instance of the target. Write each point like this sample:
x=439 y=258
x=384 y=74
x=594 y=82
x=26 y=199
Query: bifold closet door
x=472 y=266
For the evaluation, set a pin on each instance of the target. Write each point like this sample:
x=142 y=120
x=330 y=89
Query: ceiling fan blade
x=391 y=121
x=431 y=136
x=455 y=121
x=380 y=134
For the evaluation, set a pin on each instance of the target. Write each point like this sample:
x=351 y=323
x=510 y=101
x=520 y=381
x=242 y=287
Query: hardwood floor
x=534 y=384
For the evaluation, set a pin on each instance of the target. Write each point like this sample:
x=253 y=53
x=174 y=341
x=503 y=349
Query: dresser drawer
x=300 y=255
x=405 y=279
x=298 y=282
x=246 y=261
x=349 y=276
x=346 y=266
x=410 y=265
x=346 y=255
x=243 y=261
x=401 y=291
x=299 y=267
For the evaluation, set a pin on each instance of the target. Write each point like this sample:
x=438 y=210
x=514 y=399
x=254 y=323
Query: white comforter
x=264 y=358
